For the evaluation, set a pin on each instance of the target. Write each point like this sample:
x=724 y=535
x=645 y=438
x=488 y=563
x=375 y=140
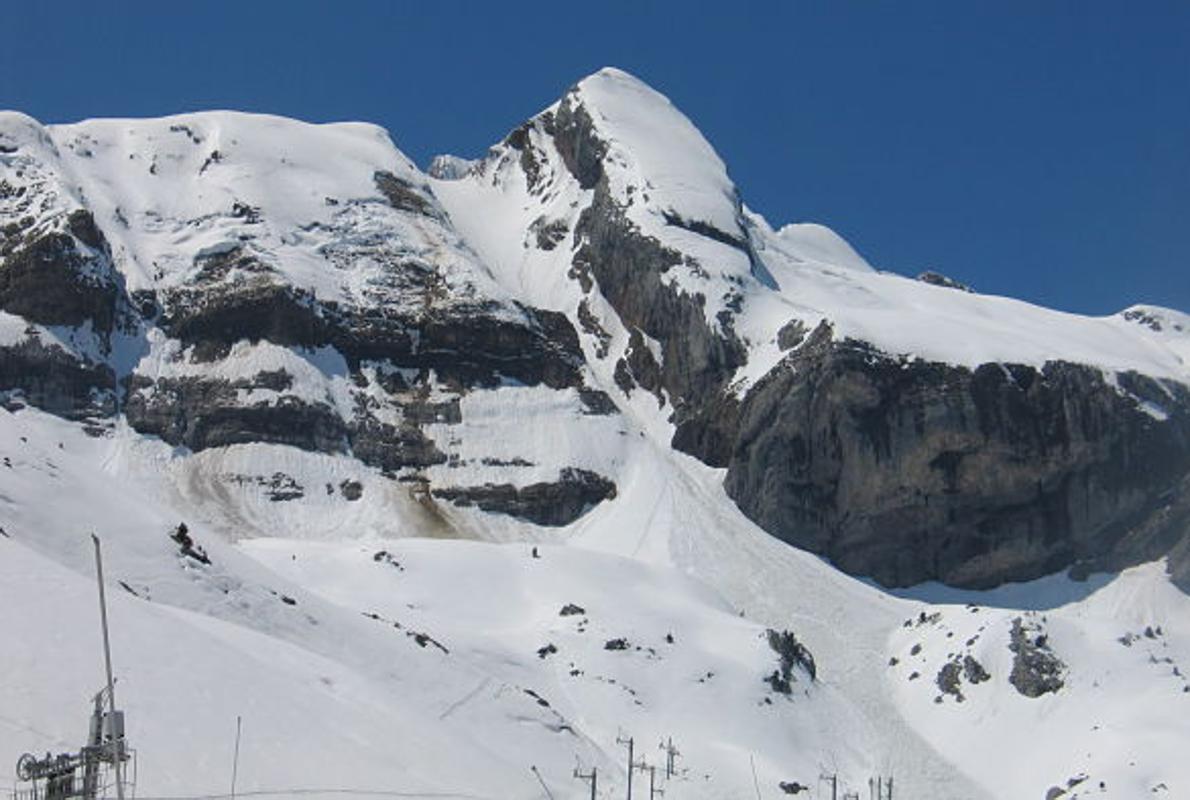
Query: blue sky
x=1040 y=150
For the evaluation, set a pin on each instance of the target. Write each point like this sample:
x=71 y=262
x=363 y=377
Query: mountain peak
x=653 y=148
x=614 y=79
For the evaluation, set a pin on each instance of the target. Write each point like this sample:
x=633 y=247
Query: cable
x=56 y=740
x=347 y=792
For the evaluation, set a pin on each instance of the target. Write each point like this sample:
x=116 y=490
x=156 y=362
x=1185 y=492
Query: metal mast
x=116 y=744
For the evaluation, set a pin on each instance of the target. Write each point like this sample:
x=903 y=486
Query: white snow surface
x=335 y=695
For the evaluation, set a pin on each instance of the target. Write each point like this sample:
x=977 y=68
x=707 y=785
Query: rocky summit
x=796 y=510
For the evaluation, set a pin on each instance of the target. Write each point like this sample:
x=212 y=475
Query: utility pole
x=834 y=779
x=628 y=742
x=541 y=780
x=592 y=776
x=653 y=792
x=671 y=754
x=116 y=735
x=235 y=762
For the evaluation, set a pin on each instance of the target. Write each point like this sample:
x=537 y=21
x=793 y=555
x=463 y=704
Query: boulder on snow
x=1036 y=670
x=938 y=279
x=792 y=653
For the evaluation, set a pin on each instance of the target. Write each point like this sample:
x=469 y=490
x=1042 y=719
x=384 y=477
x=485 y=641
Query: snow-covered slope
x=314 y=639
x=410 y=664
x=1116 y=649
x=411 y=419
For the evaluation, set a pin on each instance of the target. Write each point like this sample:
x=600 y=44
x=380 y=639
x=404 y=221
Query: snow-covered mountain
x=488 y=468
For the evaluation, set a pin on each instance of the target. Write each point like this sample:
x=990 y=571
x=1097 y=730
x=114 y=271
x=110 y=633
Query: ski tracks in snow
x=462 y=701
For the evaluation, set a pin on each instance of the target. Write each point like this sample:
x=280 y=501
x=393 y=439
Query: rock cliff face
x=48 y=377
x=910 y=471
x=629 y=268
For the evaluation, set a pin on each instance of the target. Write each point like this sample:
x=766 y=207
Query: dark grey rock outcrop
x=199 y=413
x=1179 y=565
x=947 y=679
x=278 y=487
x=465 y=343
x=48 y=377
x=202 y=412
x=555 y=503
x=404 y=196
x=51 y=280
x=1164 y=532
x=627 y=268
x=791 y=654
x=1036 y=670
x=945 y=281
x=574 y=137
x=910 y=471
x=213 y=318
x=392 y=447
x=973 y=671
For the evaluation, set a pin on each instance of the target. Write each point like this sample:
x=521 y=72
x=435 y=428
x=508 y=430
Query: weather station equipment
x=105 y=767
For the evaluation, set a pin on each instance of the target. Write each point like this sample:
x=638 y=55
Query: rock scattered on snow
x=188 y=547
x=1036 y=670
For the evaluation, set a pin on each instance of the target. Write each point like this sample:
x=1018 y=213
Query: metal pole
x=834 y=779
x=235 y=762
x=593 y=778
x=628 y=742
x=541 y=780
x=629 y=768
x=117 y=754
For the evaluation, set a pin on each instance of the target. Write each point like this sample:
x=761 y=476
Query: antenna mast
x=116 y=735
